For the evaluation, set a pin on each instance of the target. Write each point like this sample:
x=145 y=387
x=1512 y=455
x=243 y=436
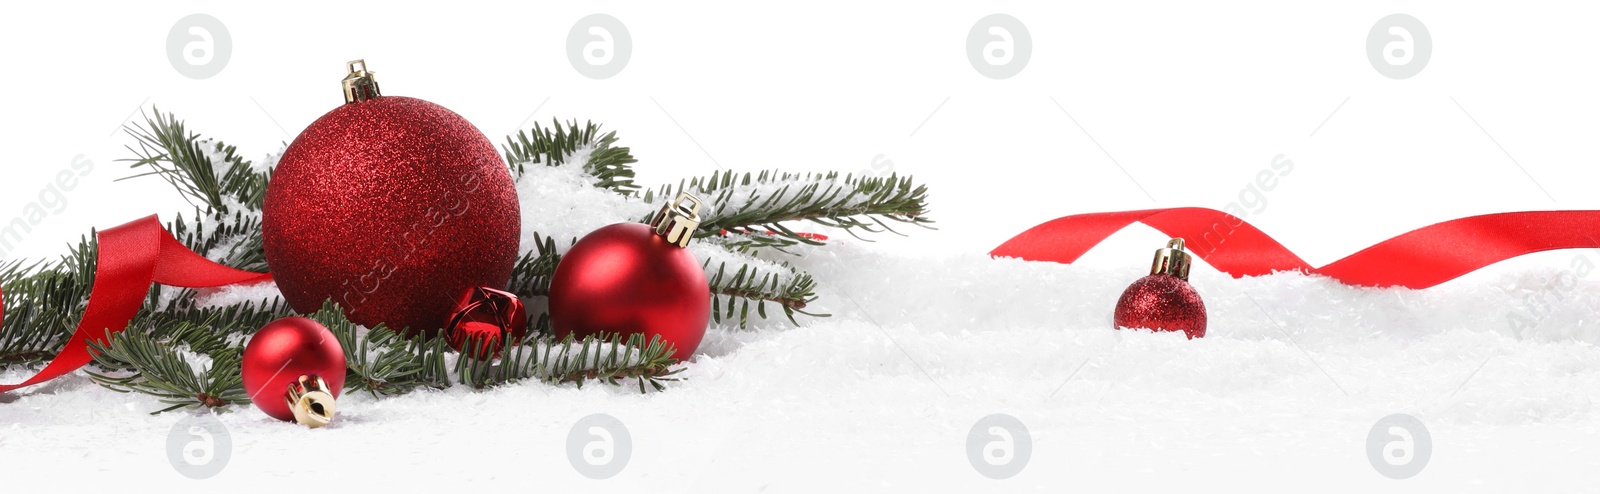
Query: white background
x=1191 y=99
x=1187 y=101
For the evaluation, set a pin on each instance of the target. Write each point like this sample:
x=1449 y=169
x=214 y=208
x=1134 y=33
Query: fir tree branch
x=151 y=356
x=732 y=295
x=231 y=240
x=558 y=145
x=383 y=362
x=161 y=371
x=757 y=242
x=228 y=189
x=531 y=275
x=231 y=321
x=610 y=358
x=43 y=303
x=733 y=289
x=754 y=208
x=183 y=160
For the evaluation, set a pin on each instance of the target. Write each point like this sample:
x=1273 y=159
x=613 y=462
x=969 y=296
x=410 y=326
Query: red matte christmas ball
x=632 y=278
x=392 y=207
x=293 y=369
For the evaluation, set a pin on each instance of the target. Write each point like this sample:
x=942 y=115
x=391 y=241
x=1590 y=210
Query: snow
x=817 y=186
x=260 y=294
x=1283 y=390
x=561 y=202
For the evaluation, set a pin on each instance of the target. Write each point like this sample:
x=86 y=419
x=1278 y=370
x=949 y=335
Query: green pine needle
x=557 y=145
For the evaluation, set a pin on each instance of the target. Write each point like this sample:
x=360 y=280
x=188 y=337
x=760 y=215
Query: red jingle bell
x=293 y=369
x=1164 y=300
x=631 y=278
x=485 y=316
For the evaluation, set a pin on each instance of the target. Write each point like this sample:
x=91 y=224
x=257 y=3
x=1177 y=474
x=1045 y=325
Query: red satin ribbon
x=1418 y=259
x=132 y=257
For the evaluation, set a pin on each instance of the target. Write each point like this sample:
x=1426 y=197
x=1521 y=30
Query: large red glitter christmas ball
x=625 y=278
x=392 y=207
x=1162 y=302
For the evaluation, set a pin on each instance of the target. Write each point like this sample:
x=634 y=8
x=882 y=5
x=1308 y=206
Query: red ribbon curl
x=131 y=257
x=1417 y=259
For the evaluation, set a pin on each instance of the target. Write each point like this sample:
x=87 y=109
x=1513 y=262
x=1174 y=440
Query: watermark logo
x=999 y=46
x=598 y=446
x=599 y=46
x=420 y=233
x=1252 y=201
x=52 y=200
x=199 y=46
x=1398 y=446
x=999 y=446
x=1542 y=304
x=198 y=446
x=1399 y=46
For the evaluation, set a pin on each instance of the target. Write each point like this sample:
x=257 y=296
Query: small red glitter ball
x=626 y=279
x=1162 y=302
x=392 y=207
